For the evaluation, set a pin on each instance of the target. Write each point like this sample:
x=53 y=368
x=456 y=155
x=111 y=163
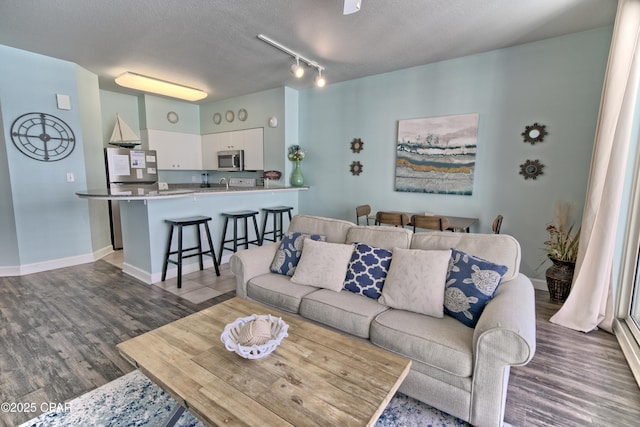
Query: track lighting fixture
x=296 y=69
x=319 y=80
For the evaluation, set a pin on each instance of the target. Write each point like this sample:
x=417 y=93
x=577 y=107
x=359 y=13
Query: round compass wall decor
x=42 y=137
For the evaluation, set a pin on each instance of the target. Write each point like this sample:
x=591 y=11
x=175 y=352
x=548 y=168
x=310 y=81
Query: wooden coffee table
x=315 y=377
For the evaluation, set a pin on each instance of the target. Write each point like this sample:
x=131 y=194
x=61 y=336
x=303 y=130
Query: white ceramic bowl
x=232 y=331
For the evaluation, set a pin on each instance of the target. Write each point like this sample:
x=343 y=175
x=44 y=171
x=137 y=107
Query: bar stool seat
x=179 y=224
x=278 y=223
x=242 y=240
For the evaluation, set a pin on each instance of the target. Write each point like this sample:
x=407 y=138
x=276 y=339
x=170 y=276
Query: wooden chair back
x=397 y=219
x=497 y=223
x=363 y=211
x=429 y=222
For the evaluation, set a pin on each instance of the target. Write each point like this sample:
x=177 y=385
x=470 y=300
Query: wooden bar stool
x=179 y=224
x=278 y=222
x=242 y=240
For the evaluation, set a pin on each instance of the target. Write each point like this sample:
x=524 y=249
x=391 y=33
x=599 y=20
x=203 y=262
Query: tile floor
x=197 y=287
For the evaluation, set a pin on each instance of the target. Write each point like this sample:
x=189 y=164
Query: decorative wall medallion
x=217 y=118
x=356 y=168
x=42 y=137
x=242 y=114
x=357 y=145
x=173 y=117
x=531 y=169
x=534 y=133
x=229 y=116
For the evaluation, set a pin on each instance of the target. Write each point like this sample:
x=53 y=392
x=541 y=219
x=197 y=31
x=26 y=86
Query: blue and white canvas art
x=437 y=154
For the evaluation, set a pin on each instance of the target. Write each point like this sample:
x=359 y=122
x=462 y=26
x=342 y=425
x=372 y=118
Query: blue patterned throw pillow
x=288 y=254
x=367 y=270
x=471 y=283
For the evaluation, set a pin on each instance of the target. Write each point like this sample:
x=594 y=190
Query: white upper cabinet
x=175 y=150
x=249 y=140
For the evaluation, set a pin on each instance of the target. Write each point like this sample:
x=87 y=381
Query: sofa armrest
x=249 y=263
x=505 y=336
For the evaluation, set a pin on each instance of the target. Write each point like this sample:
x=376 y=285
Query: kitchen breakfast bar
x=143 y=213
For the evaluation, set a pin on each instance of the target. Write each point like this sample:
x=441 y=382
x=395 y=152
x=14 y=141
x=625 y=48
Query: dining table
x=456 y=223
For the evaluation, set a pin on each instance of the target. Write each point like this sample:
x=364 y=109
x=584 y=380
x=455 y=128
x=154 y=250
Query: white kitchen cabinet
x=249 y=140
x=175 y=150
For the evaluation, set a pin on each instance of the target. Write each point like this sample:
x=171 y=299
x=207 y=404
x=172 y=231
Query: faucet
x=224 y=180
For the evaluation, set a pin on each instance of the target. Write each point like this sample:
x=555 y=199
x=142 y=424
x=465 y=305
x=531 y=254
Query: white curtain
x=590 y=303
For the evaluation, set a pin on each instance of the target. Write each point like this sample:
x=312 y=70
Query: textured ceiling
x=212 y=44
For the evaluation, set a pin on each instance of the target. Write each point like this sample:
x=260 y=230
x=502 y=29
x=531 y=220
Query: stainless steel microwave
x=231 y=160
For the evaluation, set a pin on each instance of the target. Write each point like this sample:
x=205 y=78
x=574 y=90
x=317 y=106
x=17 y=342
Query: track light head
x=319 y=80
x=296 y=69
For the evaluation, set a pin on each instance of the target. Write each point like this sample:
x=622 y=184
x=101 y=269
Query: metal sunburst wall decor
x=357 y=145
x=531 y=169
x=534 y=133
x=356 y=168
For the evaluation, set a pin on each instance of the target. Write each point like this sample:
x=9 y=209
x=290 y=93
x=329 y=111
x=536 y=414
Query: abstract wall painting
x=437 y=154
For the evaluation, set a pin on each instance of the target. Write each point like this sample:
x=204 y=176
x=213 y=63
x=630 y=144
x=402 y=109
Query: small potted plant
x=562 y=250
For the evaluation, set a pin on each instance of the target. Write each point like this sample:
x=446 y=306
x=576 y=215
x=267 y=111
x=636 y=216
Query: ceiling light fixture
x=298 y=58
x=296 y=69
x=160 y=87
x=351 y=6
x=319 y=80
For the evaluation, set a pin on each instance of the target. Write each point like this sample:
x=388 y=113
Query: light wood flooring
x=59 y=329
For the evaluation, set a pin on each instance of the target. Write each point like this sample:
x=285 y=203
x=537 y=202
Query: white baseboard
x=172 y=271
x=37 y=267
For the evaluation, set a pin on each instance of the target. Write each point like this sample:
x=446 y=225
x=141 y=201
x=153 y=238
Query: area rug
x=133 y=400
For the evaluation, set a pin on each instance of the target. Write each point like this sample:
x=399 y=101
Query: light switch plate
x=64 y=101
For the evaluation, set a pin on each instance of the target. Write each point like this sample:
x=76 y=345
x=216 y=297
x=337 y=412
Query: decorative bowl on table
x=255 y=336
x=272 y=175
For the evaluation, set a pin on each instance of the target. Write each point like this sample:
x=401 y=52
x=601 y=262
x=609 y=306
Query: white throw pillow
x=416 y=280
x=323 y=265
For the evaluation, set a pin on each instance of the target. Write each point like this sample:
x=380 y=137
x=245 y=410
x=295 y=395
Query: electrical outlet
x=70 y=177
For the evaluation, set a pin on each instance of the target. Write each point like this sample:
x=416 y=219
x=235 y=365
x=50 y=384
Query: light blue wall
x=555 y=82
x=9 y=240
x=51 y=222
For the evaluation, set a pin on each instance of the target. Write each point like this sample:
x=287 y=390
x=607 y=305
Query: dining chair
x=429 y=222
x=497 y=223
x=363 y=211
x=397 y=219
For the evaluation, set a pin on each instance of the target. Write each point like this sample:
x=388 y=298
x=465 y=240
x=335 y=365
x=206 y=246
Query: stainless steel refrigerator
x=129 y=171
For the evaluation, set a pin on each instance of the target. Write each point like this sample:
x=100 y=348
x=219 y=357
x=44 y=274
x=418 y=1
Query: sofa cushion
x=445 y=344
x=498 y=248
x=381 y=237
x=367 y=270
x=323 y=265
x=335 y=229
x=277 y=291
x=342 y=310
x=471 y=283
x=416 y=280
x=288 y=254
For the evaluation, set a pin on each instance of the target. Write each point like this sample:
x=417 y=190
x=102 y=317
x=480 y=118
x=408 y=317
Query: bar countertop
x=145 y=193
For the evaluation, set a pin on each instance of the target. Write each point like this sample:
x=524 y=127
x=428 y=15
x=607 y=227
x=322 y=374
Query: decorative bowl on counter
x=255 y=336
x=273 y=175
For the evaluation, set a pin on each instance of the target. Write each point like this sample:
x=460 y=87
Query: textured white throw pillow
x=416 y=280
x=323 y=265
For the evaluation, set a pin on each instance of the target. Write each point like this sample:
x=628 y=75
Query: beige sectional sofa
x=461 y=370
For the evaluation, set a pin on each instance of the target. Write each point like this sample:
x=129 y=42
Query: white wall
x=555 y=82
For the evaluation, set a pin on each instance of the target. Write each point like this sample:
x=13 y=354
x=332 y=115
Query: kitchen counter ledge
x=141 y=193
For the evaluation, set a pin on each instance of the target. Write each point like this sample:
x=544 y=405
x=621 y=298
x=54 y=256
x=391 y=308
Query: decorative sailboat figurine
x=122 y=135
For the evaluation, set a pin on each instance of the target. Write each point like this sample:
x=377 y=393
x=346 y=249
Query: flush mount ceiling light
x=160 y=87
x=351 y=6
x=296 y=69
